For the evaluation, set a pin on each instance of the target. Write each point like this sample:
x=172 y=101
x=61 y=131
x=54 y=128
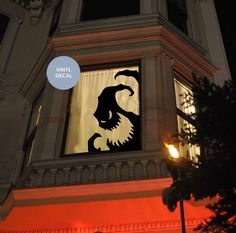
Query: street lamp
x=174 y=153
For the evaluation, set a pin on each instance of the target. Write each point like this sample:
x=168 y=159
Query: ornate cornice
x=36 y=8
x=88 y=47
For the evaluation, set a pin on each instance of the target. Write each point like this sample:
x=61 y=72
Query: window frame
x=16 y=16
x=68 y=106
x=184 y=29
x=28 y=145
x=186 y=83
x=6 y=27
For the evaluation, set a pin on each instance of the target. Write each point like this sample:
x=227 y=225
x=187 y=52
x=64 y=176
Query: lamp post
x=174 y=153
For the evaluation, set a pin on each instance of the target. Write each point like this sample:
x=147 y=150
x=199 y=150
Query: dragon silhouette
x=110 y=116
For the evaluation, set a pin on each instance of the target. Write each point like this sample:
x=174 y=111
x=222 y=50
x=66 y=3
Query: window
x=105 y=111
x=93 y=9
x=4 y=20
x=177 y=14
x=183 y=120
x=31 y=132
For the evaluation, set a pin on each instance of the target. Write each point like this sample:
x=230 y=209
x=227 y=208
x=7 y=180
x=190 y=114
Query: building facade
x=91 y=159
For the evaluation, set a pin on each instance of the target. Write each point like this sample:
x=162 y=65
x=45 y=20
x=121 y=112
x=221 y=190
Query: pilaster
x=162 y=7
x=70 y=11
x=146 y=7
x=166 y=98
x=149 y=100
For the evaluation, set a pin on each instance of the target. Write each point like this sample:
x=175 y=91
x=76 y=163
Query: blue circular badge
x=63 y=72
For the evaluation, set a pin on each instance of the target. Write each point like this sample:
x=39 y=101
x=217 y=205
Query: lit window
x=183 y=110
x=177 y=14
x=4 y=20
x=31 y=132
x=102 y=9
x=105 y=111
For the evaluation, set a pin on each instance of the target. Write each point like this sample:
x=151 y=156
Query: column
x=149 y=103
x=167 y=114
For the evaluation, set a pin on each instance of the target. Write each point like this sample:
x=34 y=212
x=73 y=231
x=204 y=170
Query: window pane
x=32 y=127
x=104 y=112
x=181 y=101
x=187 y=150
x=4 y=20
x=94 y=9
x=177 y=14
x=180 y=93
x=35 y=114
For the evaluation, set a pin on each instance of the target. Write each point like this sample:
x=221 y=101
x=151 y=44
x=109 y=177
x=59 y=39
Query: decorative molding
x=121 y=228
x=36 y=4
x=89 y=47
x=99 y=46
x=132 y=166
x=81 y=193
x=90 y=192
x=35 y=7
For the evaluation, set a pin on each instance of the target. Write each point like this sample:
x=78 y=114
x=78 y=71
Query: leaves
x=213 y=173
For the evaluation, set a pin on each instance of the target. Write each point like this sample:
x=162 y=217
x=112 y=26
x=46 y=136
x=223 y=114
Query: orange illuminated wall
x=118 y=210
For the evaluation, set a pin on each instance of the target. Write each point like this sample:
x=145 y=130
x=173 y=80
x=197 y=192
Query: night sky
x=226 y=16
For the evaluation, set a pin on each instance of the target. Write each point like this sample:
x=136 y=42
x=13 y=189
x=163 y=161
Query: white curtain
x=82 y=123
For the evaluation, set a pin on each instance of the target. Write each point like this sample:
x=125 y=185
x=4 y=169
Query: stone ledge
x=83 y=193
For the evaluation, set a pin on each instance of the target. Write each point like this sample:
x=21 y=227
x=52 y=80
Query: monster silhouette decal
x=105 y=112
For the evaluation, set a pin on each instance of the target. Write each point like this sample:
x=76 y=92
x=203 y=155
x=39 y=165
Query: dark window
x=177 y=14
x=4 y=20
x=100 y=9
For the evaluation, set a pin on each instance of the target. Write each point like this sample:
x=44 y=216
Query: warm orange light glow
x=116 y=208
x=174 y=153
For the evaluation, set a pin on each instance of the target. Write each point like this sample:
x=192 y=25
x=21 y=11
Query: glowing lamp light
x=174 y=153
